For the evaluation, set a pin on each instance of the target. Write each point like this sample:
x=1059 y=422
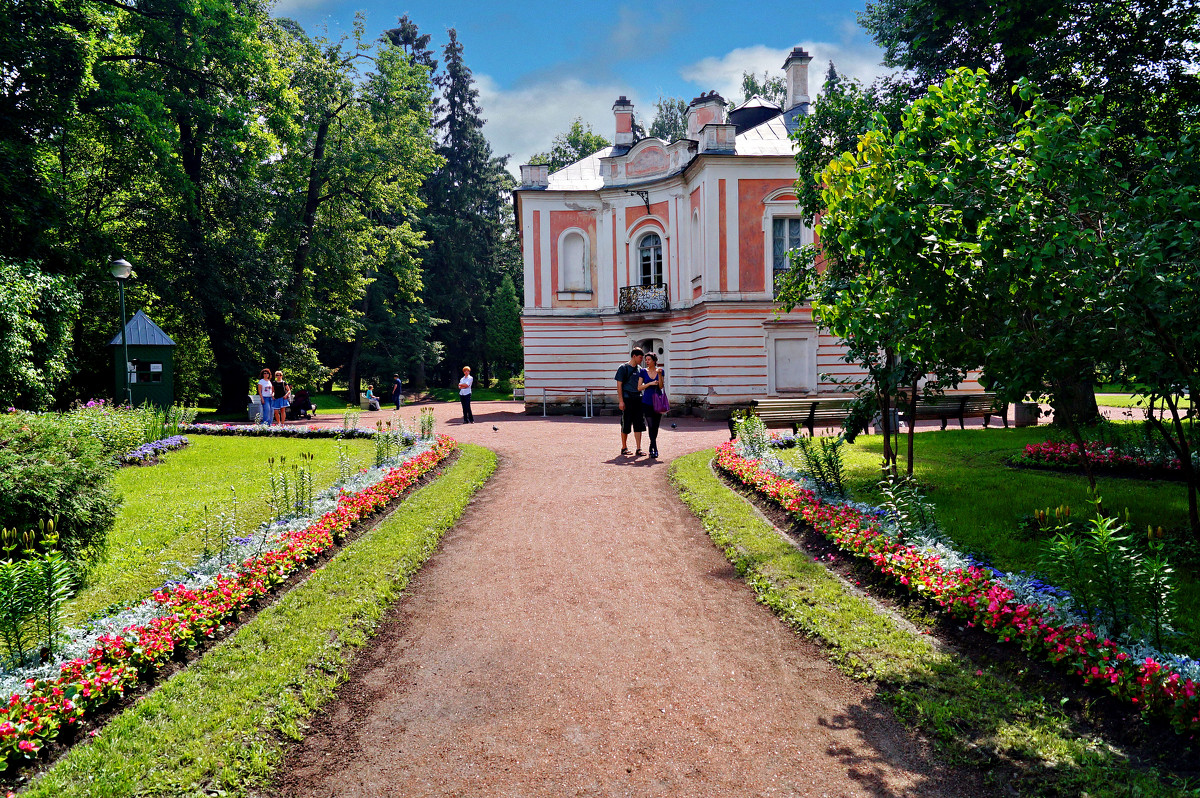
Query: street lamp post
x=122 y=271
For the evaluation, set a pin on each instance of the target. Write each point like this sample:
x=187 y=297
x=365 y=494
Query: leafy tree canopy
x=576 y=143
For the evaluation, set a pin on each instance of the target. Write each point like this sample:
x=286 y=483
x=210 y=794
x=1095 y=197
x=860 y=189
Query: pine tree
x=504 y=329
x=465 y=222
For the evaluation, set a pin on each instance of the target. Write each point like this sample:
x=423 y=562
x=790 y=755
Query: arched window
x=573 y=263
x=650 y=258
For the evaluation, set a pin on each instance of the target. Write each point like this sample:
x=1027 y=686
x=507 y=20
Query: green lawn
x=997 y=716
x=158 y=531
x=980 y=500
x=220 y=726
x=1130 y=400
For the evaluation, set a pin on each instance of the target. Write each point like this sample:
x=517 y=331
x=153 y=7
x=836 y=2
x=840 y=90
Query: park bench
x=961 y=406
x=802 y=413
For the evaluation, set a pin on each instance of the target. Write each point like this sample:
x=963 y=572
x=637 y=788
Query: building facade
x=674 y=247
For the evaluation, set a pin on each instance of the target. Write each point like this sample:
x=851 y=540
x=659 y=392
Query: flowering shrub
x=276 y=431
x=1011 y=607
x=1099 y=454
x=150 y=451
x=181 y=616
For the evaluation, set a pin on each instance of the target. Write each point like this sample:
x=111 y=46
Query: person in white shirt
x=464 y=395
x=266 y=390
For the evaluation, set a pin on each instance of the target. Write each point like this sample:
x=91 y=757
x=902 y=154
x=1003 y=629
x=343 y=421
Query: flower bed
x=276 y=431
x=149 y=452
x=1101 y=456
x=995 y=602
x=186 y=616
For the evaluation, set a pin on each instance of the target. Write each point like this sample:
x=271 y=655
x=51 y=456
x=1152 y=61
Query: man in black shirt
x=630 y=402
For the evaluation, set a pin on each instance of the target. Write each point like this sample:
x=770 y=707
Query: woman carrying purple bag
x=652 y=382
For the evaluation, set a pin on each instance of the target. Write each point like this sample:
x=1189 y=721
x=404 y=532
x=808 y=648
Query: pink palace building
x=673 y=246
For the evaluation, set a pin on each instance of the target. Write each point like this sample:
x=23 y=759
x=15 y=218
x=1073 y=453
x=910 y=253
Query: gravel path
x=577 y=634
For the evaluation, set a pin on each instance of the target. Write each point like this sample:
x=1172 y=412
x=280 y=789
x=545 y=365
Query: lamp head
x=121 y=269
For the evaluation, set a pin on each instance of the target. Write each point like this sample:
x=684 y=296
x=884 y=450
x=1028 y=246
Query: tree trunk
x=1075 y=400
x=1181 y=445
x=352 y=376
x=912 y=426
x=308 y=224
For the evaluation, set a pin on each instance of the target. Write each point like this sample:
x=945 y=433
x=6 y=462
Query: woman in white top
x=464 y=395
x=265 y=393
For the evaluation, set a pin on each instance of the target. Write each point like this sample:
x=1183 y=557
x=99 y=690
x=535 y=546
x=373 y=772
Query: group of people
x=275 y=397
x=397 y=394
x=642 y=388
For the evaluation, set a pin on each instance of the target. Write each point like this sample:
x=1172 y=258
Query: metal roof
x=142 y=332
x=582 y=175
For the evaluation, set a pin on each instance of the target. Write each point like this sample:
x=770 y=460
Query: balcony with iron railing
x=644 y=299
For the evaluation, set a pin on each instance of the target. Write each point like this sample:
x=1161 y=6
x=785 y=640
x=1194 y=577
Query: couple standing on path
x=643 y=400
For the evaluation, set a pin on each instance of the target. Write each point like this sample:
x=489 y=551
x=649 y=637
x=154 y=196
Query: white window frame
x=640 y=267
x=774 y=208
x=574 y=293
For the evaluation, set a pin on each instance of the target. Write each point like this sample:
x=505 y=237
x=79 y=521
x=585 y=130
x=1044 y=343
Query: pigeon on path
x=495 y=428
x=673 y=425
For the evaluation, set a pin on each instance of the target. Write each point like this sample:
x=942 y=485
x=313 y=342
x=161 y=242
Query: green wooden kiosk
x=151 y=363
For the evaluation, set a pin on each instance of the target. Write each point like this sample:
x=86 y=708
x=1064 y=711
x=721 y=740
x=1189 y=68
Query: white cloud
x=724 y=74
x=525 y=120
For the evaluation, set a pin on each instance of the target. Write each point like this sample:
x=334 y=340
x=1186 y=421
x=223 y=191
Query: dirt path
x=577 y=634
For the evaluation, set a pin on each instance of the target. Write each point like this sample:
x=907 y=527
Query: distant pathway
x=577 y=634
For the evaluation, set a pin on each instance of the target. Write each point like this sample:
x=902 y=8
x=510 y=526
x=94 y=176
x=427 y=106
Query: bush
x=46 y=471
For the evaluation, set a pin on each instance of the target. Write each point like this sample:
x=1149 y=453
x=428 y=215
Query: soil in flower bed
x=1092 y=712
x=16 y=778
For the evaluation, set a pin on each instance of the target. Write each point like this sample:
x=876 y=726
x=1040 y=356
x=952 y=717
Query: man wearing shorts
x=630 y=402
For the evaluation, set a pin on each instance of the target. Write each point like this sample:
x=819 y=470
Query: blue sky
x=538 y=65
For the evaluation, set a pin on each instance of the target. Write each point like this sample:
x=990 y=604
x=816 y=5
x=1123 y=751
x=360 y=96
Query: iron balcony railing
x=644 y=298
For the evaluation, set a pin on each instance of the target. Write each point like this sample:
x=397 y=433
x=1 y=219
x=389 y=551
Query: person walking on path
x=283 y=394
x=652 y=384
x=630 y=401
x=397 y=390
x=464 y=395
x=265 y=391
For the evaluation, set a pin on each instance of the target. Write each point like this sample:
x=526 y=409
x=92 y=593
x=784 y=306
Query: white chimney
x=796 y=69
x=535 y=175
x=623 y=111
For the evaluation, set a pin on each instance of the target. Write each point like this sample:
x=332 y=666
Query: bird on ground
x=495 y=428
x=673 y=425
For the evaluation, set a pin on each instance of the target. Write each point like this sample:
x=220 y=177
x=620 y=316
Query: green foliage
x=576 y=143
x=976 y=712
x=1112 y=583
x=37 y=311
x=752 y=435
x=504 y=329
x=231 y=712
x=46 y=467
x=769 y=87
x=1139 y=56
x=670 y=119
x=468 y=221
x=33 y=590
x=908 y=508
x=823 y=461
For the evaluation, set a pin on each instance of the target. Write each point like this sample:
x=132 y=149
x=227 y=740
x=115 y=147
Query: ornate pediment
x=646 y=160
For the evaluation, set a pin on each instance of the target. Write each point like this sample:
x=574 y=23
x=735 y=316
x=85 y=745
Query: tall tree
x=504 y=329
x=471 y=246
x=1140 y=56
x=768 y=86
x=670 y=118
x=576 y=143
